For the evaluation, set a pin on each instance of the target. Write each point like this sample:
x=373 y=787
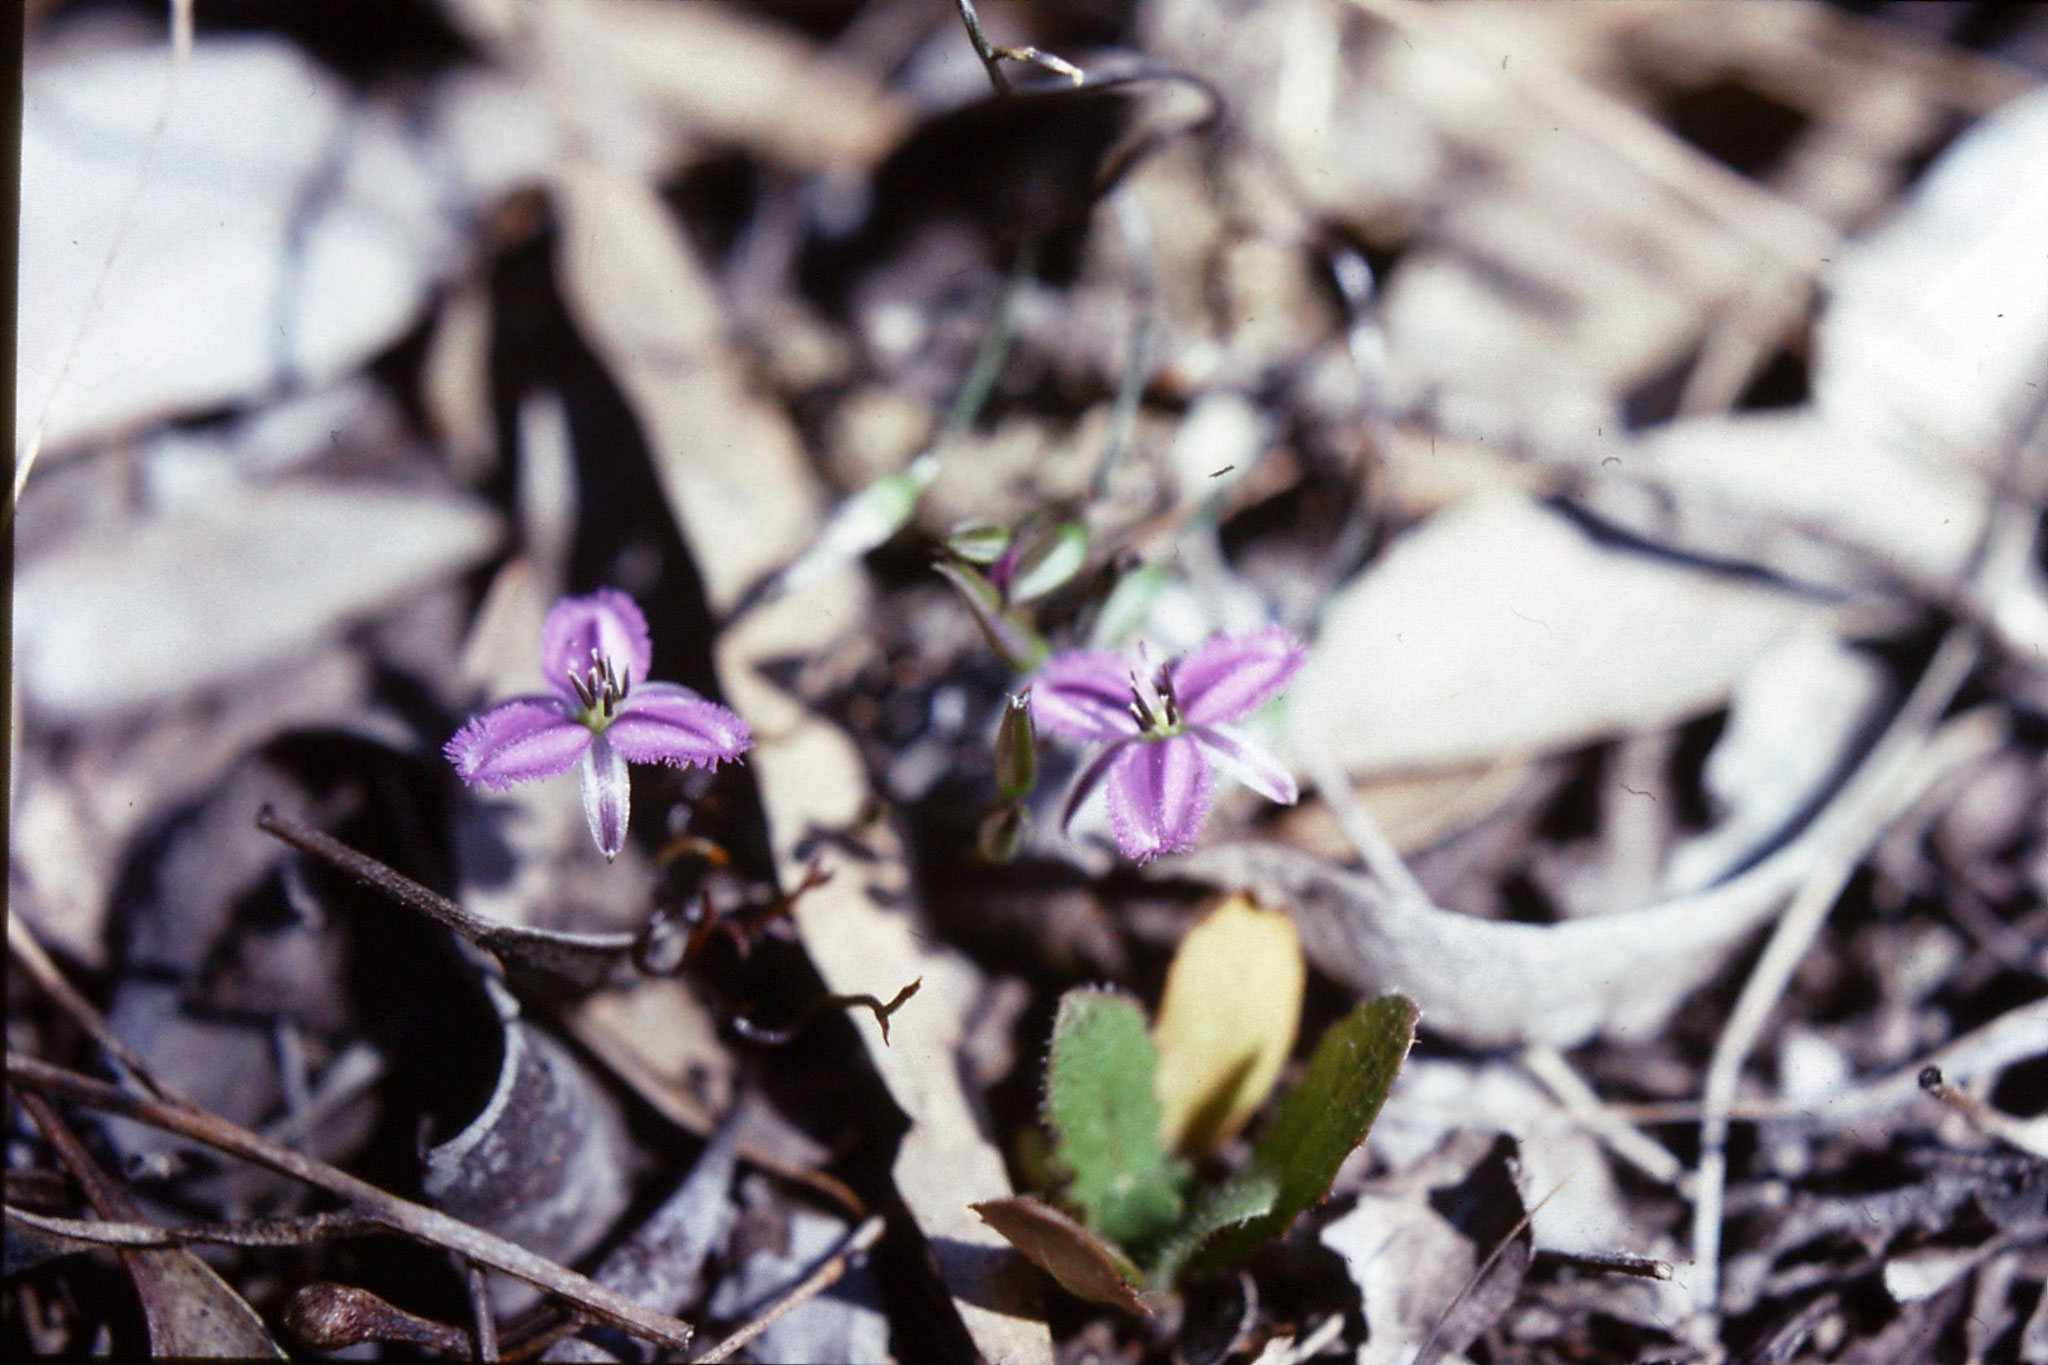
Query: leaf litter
x=1640 y=419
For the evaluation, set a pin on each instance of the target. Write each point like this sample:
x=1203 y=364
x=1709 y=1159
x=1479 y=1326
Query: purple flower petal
x=1090 y=778
x=517 y=741
x=607 y=795
x=1231 y=676
x=607 y=623
x=1084 y=694
x=1158 y=796
x=668 y=723
x=1249 y=761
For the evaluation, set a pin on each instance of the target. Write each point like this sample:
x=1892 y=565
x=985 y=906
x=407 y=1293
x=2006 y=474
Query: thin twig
x=257 y=1232
x=21 y=942
x=1425 y=1353
x=1374 y=848
x=484 y=1328
x=991 y=60
x=1898 y=759
x=2015 y=1036
x=2028 y=1135
x=401 y=1215
x=1583 y=1103
x=817 y=1282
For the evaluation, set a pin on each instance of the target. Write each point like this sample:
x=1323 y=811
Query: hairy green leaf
x=1321 y=1120
x=1248 y=1195
x=1104 y=1113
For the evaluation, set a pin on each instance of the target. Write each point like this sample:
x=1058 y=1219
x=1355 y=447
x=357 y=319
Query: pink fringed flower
x=1165 y=728
x=594 y=653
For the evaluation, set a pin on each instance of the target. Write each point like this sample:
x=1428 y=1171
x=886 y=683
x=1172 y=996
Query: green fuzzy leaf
x=1250 y=1194
x=1085 y=1265
x=1104 y=1114
x=1321 y=1121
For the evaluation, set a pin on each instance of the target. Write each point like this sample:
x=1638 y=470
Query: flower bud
x=1002 y=833
x=1016 y=748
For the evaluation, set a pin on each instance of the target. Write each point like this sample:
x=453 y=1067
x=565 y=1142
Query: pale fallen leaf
x=1227 y=1022
x=170 y=605
x=1412 y=1264
x=1935 y=336
x=1781 y=476
x=1499 y=627
x=275 y=202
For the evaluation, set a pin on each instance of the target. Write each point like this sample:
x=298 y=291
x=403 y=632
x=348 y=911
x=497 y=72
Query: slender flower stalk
x=602 y=714
x=1165 y=729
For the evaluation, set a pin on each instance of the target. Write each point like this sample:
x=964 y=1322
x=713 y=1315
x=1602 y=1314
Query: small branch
x=400 y=1215
x=2028 y=1135
x=1374 y=848
x=814 y=1284
x=259 y=1232
x=21 y=942
x=991 y=59
x=1583 y=1103
x=485 y=1329
x=1900 y=759
x=777 y=1037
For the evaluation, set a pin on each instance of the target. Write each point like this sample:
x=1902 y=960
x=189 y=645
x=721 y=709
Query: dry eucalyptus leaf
x=125 y=617
x=193 y=1314
x=1499 y=627
x=1773 y=476
x=730 y=463
x=1227 y=1022
x=275 y=202
x=1935 y=336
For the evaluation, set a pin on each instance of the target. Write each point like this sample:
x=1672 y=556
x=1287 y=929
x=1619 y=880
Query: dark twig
x=991 y=60
x=21 y=942
x=257 y=1232
x=754 y=1033
x=817 y=1282
x=400 y=1215
x=485 y=1329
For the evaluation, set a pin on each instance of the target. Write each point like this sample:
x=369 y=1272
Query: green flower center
x=599 y=691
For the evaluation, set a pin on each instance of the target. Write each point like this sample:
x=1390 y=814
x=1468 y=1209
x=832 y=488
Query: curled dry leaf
x=734 y=474
x=546 y=1163
x=1497 y=983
